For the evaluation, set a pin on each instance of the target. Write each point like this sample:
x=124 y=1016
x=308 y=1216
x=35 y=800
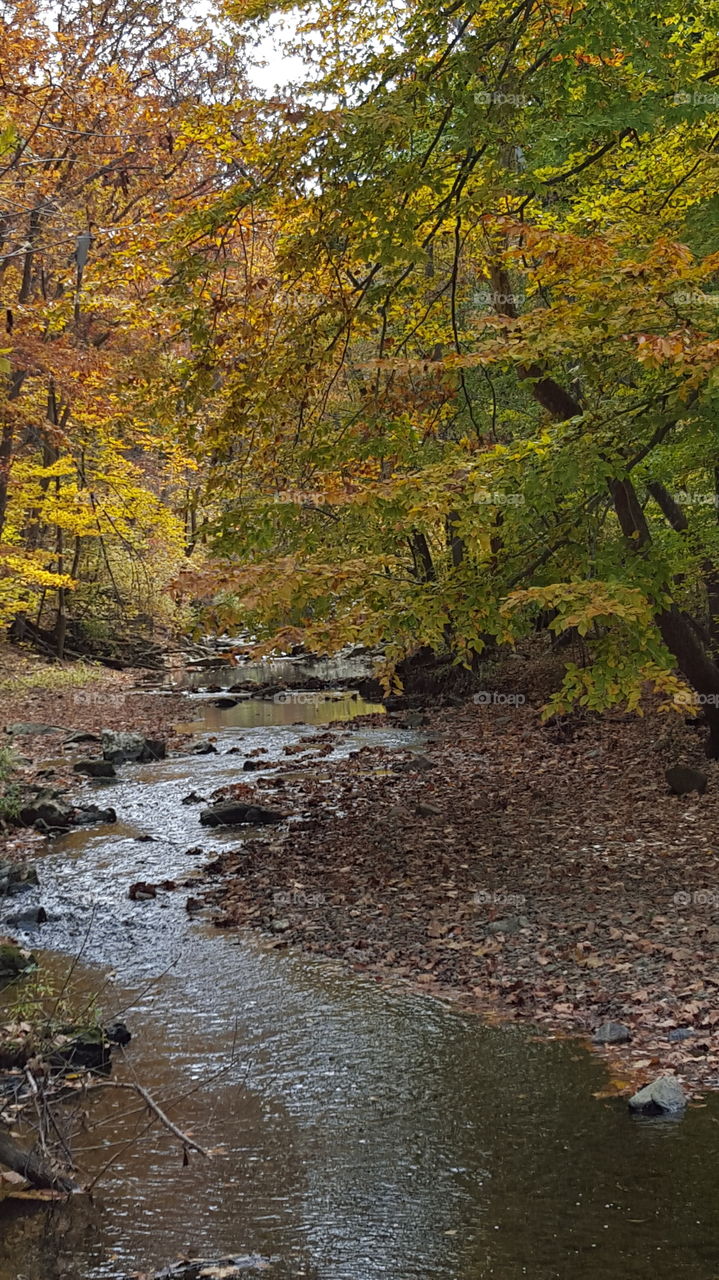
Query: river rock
x=192 y=798
x=87 y=814
x=234 y=815
x=27 y=729
x=14 y=960
x=122 y=748
x=227 y=1268
x=612 y=1033
x=663 y=1095
x=682 y=780
x=95 y=768
x=204 y=749
x=14 y=877
x=47 y=813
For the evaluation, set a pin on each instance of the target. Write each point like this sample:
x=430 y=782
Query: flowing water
x=358 y=1133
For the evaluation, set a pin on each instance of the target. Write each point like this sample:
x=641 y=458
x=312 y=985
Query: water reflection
x=361 y=1133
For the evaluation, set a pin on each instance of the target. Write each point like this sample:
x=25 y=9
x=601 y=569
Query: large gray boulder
x=663 y=1096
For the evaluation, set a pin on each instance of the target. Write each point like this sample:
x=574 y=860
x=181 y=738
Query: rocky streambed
x=356 y=1130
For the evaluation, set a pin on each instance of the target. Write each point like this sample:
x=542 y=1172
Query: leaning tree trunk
x=37 y=1172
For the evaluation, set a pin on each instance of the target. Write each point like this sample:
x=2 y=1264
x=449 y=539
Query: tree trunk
x=37 y=1171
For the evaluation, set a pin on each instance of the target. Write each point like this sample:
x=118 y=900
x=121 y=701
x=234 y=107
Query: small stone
x=280 y=926
x=663 y=1095
x=508 y=924
x=612 y=1033
x=204 y=749
x=677 y=1034
x=193 y=798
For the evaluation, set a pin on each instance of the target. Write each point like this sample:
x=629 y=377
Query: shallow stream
x=360 y=1133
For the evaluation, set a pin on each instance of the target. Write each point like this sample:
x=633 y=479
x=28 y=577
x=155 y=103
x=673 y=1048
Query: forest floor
x=544 y=874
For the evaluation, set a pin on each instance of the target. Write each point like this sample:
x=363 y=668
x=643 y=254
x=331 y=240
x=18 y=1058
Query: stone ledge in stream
x=122 y=748
x=227 y=1268
x=235 y=815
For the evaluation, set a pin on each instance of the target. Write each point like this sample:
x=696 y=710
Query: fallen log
x=30 y=1166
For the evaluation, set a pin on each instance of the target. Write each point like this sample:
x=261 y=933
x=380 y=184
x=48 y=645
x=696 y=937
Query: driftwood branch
x=188 y=1143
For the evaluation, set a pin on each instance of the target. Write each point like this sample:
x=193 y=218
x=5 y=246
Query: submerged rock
x=204 y=749
x=663 y=1095
x=234 y=815
x=227 y=1268
x=612 y=1033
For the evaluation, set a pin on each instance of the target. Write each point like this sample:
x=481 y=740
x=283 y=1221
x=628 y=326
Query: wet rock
x=204 y=749
x=118 y=1033
x=683 y=780
x=416 y=764
x=249 y=765
x=145 y=839
x=612 y=1033
x=225 y=703
x=86 y=1051
x=87 y=814
x=95 y=768
x=195 y=852
x=47 y=813
x=280 y=926
x=227 y=1268
x=27 y=729
x=142 y=891
x=14 y=877
x=27 y=919
x=193 y=798
x=14 y=960
x=134 y=748
x=663 y=1096
x=233 y=815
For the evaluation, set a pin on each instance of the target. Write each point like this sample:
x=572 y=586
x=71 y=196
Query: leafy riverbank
x=544 y=874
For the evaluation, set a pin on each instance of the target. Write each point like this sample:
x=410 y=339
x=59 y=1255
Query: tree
x=492 y=365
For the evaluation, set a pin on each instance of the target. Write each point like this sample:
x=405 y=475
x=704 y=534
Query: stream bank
x=360 y=1130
